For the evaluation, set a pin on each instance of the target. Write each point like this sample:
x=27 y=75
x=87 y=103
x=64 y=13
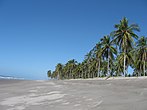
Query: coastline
x=113 y=78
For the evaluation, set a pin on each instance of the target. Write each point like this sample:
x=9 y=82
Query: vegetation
x=111 y=56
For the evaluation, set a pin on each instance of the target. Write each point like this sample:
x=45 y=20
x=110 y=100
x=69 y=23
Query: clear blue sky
x=35 y=35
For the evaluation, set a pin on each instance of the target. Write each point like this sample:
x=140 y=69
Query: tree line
x=111 y=56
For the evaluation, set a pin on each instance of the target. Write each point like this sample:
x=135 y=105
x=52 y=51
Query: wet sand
x=112 y=94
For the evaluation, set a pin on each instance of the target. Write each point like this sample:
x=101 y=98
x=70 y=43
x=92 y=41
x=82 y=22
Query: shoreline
x=112 y=78
x=101 y=78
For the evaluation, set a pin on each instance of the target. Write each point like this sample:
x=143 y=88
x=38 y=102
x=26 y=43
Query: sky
x=35 y=35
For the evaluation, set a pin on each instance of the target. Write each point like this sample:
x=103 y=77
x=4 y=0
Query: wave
x=9 y=77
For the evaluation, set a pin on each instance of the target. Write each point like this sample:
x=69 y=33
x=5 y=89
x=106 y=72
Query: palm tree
x=97 y=51
x=59 y=70
x=88 y=57
x=66 y=71
x=142 y=52
x=77 y=71
x=129 y=60
x=94 y=68
x=84 y=69
x=104 y=68
x=118 y=67
x=124 y=36
x=49 y=73
x=54 y=74
x=71 y=64
x=108 y=50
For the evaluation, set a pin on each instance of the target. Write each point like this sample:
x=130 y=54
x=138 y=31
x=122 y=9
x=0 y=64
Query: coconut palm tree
x=88 y=57
x=124 y=36
x=78 y=71
x=94 y=68
x=142 y=53
x=59 y=70
x=98 y=56
x=129 y=60
x=108 y=50
x=84 y=69
x=118 y=67
x=104 y=66
x=66 y=71
x=49 y=73
x=54 y=74
x=71 y=64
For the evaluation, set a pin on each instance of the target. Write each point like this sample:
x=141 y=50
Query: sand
x=91 y=94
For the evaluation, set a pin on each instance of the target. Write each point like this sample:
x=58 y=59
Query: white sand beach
x=91 y=94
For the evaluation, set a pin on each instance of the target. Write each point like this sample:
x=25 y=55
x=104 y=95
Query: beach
x=90 y=94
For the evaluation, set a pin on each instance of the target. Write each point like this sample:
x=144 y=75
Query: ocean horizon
x=10 y=77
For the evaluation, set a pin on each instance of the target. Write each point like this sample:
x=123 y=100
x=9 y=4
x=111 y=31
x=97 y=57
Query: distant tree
x=49 y=73
x=59 y=68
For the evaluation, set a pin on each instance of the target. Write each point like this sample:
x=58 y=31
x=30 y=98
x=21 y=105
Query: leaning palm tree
x=142 y=53
x=124 y=37
x=108 y=50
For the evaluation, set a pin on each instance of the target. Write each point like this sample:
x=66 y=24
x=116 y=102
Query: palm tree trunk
x=144 y=68
x=82 y=74
x=108 y=66
x=89 y=72
x=99 y=68
x=86 y=74
x=127 y=71
x=124 y=63
x=58 y=76
x=70 y=75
